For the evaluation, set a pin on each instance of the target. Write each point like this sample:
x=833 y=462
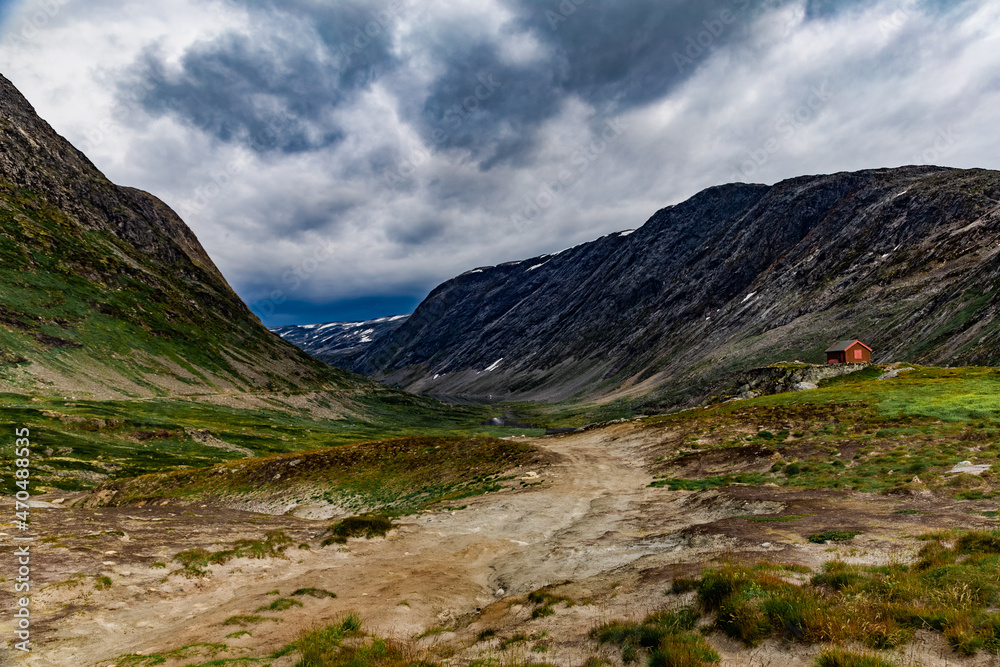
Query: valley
x=574 y=531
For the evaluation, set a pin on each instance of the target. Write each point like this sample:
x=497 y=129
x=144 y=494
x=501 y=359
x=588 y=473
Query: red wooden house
x=848 y=352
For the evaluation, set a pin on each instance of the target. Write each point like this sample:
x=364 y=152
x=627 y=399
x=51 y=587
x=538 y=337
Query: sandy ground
x=589 y=525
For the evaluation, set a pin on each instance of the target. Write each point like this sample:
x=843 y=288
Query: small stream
x=509 y=419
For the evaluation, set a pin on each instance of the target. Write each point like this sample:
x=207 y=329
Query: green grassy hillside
x=854 y=432
x=81 y=311
x=80 y=444
x=395 y=476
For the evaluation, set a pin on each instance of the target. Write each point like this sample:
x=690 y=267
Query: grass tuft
x=279 y=604
x=951 y=590
x=367 y=526
x=836 y=657
x=667 y=636
x=833 y=536
x=244 y=620
x=544 y=602
x=314 y=592
x=195 y=562
x=325 y=647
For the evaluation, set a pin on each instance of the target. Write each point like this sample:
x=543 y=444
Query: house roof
x=843 y=345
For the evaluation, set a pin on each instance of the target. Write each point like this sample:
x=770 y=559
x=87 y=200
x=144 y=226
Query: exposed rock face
x=105 y=291
x=339 y=343
x=735 y=277
x=781 y=378
x=34 y=157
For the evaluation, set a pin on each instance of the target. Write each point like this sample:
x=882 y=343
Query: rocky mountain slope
x=105 y=292
x=339 y=343
x=737 y=276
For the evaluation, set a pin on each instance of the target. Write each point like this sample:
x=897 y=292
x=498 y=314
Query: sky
x=338 y=160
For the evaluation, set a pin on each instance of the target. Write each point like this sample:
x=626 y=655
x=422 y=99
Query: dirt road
x=587 y=517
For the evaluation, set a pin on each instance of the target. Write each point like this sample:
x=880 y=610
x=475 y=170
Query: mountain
x=339 y=343
x=737 y=276
x=105 y=292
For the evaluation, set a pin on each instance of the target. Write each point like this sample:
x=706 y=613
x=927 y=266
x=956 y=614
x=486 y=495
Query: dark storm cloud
x=613 y=56
x=487 y=106
x=274 y=88
x=420 y=233
x=625 y=54
x=819 y=9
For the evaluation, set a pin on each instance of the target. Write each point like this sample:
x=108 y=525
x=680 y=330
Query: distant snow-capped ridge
x=339 y=343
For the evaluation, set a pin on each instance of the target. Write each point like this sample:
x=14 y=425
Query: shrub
x=979 y=542
x=684 y=584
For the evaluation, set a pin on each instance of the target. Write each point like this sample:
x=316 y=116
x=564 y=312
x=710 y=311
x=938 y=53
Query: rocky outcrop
x=738 y=276
x=779 y=378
